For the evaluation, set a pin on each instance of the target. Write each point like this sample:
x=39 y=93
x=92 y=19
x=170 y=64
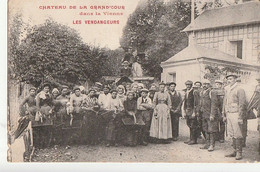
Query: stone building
x=226 y=36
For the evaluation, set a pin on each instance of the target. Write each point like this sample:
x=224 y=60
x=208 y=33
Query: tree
x=215 y=72
x=56 y=53
x=16 y=30
x=155 y=28
x=141 y=24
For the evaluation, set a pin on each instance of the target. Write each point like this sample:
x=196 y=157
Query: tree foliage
x=56 y=53
x=215 y=72
x=155 y=28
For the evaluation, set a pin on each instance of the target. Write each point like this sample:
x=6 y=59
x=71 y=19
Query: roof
x=194 y=52
x=239 y=14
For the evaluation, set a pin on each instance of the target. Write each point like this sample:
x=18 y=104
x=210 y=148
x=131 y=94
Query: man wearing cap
x=61 y=113
x=125 y=70
x=76 y=100
x=191 y=109
x=198 y=85
x=30 y=103
x=112 y=129
x=104 y=98
x=217 y=97
x=175 y=110
x=97 y=87
x=209 y=116
x=134 y=88
x=144 y=107
x=197 y=89
x=234 y=107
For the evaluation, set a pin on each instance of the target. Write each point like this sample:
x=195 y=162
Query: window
x=239 y=49
x=172 y=77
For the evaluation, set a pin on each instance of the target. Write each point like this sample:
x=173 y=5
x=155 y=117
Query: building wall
x=222 y=38
x=183 y=73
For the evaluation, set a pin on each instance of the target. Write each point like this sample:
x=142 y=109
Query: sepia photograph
x=140 y=81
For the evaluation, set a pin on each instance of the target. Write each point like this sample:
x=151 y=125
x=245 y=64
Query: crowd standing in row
x=132 y=114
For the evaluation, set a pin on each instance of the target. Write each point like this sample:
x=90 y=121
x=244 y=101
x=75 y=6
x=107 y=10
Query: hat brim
x=233 y=75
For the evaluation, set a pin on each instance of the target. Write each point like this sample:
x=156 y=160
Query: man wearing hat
x=209 y=116
x=217 y=96
x=234 y=111
x=125 y=70
x=191 y=109
x=151 y=93
x=30 y=101
x=144 y=107
x=175 y=110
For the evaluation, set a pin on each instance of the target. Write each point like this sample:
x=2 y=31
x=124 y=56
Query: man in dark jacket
x=191 y=109
x=218 y=104
x=176 y=110
x=209 y=115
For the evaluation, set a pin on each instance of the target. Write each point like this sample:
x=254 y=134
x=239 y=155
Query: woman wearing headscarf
x=61 y=115
x=130 y=129
x=90 y=109
x=55 y=93
x=161 y=121
x=121 y=93
x=43 y=118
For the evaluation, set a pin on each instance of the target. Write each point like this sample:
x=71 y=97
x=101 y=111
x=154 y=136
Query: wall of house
x=222 y=38
x=183 y=72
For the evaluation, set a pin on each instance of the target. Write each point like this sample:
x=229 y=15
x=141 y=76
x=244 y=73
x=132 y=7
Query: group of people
x=130 y=114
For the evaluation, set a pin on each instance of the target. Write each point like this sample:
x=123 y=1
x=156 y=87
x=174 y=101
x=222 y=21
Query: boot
x=221 y=138
x=188 y=141
x=206 y=146
x=239 y=145
x=212 y=142
x=244 y=142
x=233 y=154
x=193 y=138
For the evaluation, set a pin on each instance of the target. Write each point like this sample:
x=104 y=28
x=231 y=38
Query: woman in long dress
x=161 y=120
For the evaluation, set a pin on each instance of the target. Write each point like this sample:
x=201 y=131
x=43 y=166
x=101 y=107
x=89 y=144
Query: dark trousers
x=113 y=130
x=222 y=129
x=193 y=124
x=175 y=124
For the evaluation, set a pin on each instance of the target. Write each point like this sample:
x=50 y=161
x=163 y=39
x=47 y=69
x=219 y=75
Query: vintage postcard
x=170 y=81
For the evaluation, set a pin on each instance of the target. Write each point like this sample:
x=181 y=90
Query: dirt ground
x=173 y=152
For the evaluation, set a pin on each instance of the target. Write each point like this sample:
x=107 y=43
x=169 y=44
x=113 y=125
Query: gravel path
x=173 y=152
